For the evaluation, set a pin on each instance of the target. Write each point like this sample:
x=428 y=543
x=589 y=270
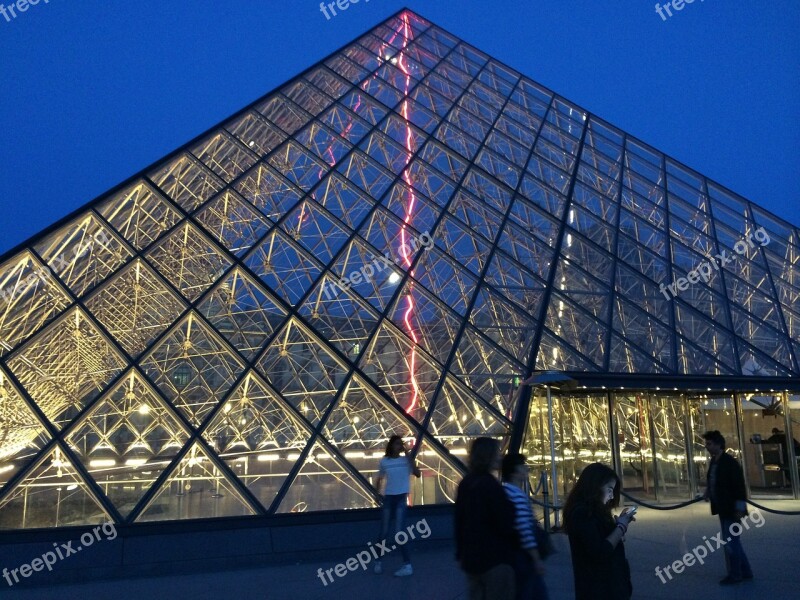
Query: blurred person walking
x=529 y=567
x=486 y=541
x=600 y=568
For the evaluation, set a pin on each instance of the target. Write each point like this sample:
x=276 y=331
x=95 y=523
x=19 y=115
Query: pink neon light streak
x=404 y=248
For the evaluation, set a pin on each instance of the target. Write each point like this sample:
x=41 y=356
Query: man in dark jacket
x=486 y=541
x=725 y=490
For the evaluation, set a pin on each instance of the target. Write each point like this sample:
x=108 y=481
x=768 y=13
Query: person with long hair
x=486 y=541
x=600 y=568
x=396 y=471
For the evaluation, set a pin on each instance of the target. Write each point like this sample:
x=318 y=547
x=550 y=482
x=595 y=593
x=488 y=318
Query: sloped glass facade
x=386 y=244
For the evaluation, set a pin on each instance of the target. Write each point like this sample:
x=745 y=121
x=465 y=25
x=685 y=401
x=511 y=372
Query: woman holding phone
x=599 y=566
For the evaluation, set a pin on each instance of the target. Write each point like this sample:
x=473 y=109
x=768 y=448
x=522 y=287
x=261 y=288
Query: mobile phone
x=632 y=510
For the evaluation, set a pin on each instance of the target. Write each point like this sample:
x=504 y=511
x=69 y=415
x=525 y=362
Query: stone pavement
x=657 y=538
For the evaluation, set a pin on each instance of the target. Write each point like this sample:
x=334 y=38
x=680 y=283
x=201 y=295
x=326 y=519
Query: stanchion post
x=546 y=501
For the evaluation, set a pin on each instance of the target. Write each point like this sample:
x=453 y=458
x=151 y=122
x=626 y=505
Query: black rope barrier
x=774 y=510
x=548 y=506
x=542 y=485
x=656 y=506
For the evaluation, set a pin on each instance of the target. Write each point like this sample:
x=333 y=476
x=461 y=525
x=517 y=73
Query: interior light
x=394 y=277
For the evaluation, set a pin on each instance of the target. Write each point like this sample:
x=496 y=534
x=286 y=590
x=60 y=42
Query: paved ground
x=657 y=538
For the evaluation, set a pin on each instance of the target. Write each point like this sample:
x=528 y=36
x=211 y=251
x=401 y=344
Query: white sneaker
x=404 y=571
x=378 y=567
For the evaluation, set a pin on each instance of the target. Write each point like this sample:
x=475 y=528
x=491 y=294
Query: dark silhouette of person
x=599 y=566
x=726 y=491
x=486 y=541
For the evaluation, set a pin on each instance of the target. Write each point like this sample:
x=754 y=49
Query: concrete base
x=151 y=549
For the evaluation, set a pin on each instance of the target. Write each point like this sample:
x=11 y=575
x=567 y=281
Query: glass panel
x=243 y=312
x=324 y=484
x=632 y=415
x=439 y=478
x=667 y=415
x=29 y=298
x=83 y=253
x=232 y=222
x=51 y=495
x=225 y=156
x=303 y=370
x=195 y=489
x=140 y=215
x=66 y=367
x=193 y=368
x=127 y=440
x=189 y=260
x=149 y=307
x=186 y=182
x=283 y=266
x=255 y=433
x=21 y=433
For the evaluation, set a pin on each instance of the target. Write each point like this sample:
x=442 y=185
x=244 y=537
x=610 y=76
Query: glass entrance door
x=709 y=413
x=766 y=445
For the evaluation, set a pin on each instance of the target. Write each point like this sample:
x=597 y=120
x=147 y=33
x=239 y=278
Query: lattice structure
x=386 y=244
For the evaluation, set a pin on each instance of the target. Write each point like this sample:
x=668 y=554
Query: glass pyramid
x=386 y=244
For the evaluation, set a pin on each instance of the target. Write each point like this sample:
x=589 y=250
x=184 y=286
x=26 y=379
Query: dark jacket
x=600 y=571
x=729 y=488
x=484 y=524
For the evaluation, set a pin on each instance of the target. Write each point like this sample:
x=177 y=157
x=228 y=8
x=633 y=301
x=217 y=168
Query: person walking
x=599 y=566
x=395 y=469
x=726 y=491
x=486 y=540
x=529 y=567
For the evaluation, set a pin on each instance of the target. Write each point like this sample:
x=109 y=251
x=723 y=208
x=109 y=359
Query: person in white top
x=395 y=468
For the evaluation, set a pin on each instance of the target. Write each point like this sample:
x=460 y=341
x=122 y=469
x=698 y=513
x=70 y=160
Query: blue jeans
x=735 y=559
x=394 y=505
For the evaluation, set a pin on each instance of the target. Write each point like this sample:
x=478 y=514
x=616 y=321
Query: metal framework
x=385 y=244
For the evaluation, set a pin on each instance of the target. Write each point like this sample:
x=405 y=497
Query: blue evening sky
x=94 y=91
